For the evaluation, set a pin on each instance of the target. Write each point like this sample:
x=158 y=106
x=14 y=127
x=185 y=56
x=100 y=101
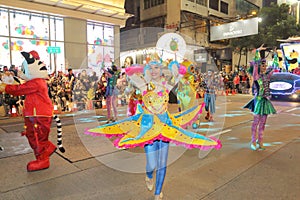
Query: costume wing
x=118 y=128
x=189 y=139
x=189 y=116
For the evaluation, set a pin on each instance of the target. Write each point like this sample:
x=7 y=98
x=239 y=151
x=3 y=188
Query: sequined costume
x=153 y=127
x=186 y=90
x=154 y=122
x=260 y=105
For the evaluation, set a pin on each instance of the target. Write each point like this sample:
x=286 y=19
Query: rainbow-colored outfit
x=154 y=122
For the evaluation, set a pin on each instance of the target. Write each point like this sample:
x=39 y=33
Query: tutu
x=264 y=106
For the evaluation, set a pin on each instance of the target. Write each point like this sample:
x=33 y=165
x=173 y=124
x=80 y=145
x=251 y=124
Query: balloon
x=27 y=31
x=19 y=31
x=19 y=42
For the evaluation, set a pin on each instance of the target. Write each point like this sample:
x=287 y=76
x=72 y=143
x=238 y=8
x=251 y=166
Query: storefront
x=26 y=31
x=67 y=34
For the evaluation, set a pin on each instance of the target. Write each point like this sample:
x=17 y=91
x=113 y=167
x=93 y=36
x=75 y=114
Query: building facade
x=66 y=33
x=191 y=18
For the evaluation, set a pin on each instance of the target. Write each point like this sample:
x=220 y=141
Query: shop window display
x=4 y=51
x=28 y=25
x=26 y=31
x=4 y=22
x=100 y=40
x=18 y=45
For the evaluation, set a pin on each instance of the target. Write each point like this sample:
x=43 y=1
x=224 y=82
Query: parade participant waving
x=38 y=109
x=260 y=105
x=153 y=127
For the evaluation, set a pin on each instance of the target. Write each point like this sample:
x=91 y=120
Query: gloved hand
x=2 y=87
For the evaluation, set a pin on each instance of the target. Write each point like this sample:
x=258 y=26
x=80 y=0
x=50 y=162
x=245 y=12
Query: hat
x=35 y=54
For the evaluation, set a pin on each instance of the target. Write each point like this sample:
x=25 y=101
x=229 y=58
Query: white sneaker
x=159 y=197
x=149 y=183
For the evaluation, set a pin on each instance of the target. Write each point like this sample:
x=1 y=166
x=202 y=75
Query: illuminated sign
x=53 y=49
x=278 y=85
x=234 y=29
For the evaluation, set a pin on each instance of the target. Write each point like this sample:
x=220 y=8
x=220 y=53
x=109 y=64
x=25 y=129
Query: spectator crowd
x=69 y=91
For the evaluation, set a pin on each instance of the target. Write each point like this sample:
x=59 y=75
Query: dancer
x=260 y=105
x=154 y=127
x=132 y=91
x=186 y=90
x=111 y=93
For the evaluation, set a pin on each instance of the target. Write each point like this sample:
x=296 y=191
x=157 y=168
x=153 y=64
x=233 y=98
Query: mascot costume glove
x=38 y=109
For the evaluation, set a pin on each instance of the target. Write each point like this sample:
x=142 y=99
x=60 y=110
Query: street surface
x=91 y=168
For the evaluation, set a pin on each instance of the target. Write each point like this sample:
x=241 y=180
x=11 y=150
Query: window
x=57 y=28
x=28 y=25
x=146 y=4
x=4 y=51
x=202 y=2
x=100 y=39
x=153 y=3
x=26 y=31
x=4 y=22
x=214 y=4
x=245 y=7
x=224 y=7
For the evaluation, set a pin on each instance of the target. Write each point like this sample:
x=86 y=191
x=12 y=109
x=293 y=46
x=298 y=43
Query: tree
x=276 y=23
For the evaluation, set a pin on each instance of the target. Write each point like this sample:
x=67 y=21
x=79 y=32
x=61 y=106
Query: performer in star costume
x=153 y=127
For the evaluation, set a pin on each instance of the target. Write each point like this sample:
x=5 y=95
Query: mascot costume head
x=32 y=67
x=38 y=109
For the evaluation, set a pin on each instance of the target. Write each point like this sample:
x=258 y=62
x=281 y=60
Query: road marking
x=292 y=109
x=220 y=133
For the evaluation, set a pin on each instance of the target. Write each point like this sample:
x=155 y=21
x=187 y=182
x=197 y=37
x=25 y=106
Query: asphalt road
x=91 y=168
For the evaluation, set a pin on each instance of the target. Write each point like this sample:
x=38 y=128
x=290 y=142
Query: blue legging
x=157 y=156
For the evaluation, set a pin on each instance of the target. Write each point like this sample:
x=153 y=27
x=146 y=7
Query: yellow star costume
x=154 y=122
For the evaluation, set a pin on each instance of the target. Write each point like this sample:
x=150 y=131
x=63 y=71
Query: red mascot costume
x=38 y=109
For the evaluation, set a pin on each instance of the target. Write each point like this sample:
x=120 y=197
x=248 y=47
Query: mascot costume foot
x=38 y=109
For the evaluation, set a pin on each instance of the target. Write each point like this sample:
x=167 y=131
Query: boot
x=42 y=160
x=50 y=149
x=40 y=163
